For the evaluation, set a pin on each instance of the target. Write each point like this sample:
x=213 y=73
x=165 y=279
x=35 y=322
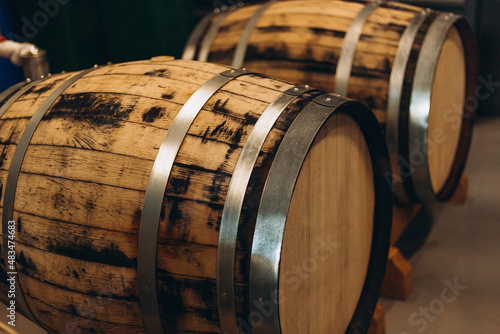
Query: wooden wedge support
x=378 y=322
x=6 y=329
x=401 y=218
x=460 y=195
x=398 y=280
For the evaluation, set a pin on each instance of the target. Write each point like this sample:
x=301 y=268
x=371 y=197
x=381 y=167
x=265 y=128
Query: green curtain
x=80 y=33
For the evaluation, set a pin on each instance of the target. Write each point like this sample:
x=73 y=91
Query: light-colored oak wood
x=328 y=233
x=447 y=105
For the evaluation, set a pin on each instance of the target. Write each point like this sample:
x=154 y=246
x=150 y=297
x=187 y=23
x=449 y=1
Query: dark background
x=80 y=33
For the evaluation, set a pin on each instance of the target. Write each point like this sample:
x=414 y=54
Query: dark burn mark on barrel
x=162 y=212
x=236 y=138
x=3 y=155
x=279 y=52
x=229 y=152
x=218 y=128
x=175 y=215
x=1 y=191
x=205 y=290
x=220 y=107
x=27 y=263
x=191 y=259
x=271 y=29
x=179 y=220
x=137 y=215
x=95 y=108
x=168 y=96
x=216 y=188
x=73 y=310
x=59 y=200
x=214 y=221
x=204 y=139
x=158 y=73
x=109 y=255
x=152 y=114
x=327 y=32
x=180 y=185
x=89 y=206
x=19 y=224
x=75 y=274
x=42 y=89
x=250 y=119
x=172 y=305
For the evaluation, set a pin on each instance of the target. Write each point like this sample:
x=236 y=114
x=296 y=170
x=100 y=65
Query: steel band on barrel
x=15 y=169
x=9 y=91
x=351 y=39
x=241 y=48
x=21 y=88
x=194 y=39
x=394 y=99
x=207 y=42
x=420 y=101
x=155 y=191
x=276 y=199
x=234 y=203
x=274 y=205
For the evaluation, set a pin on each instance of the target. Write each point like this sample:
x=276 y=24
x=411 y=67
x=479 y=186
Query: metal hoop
x=394 y=99
x=234 y=202
x=155 y=191
x=241 y=48
x=15 y=169
x=351 y=39
x=421 y=100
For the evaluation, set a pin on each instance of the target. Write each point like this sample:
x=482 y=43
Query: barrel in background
x=415 y=68
x=79 y=189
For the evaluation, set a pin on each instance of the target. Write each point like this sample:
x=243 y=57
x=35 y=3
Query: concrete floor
x=462 y=251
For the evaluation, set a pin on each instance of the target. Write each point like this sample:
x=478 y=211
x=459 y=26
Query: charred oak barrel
x=184 y=197
x=415 y=68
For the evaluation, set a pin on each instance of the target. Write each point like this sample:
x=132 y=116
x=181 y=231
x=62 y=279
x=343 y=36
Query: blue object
x=9 y=22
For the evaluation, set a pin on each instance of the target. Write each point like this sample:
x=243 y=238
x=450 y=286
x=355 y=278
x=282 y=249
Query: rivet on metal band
x=207 y=42
x=394 y=99
x=195 y=37
x=15 y=169
x=274 y=205
x=234 y=202
x=420 y=101
x=155 y=192
x=241 y=48
x=351 y=39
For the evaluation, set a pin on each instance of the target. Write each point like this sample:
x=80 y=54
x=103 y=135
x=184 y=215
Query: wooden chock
x=460 y=195
x=401 y=218
x=6 y=329
x=378 y=321
x=398 y=280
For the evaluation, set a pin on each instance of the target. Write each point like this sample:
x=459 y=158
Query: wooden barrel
x=153 y=197
x=413 y=67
